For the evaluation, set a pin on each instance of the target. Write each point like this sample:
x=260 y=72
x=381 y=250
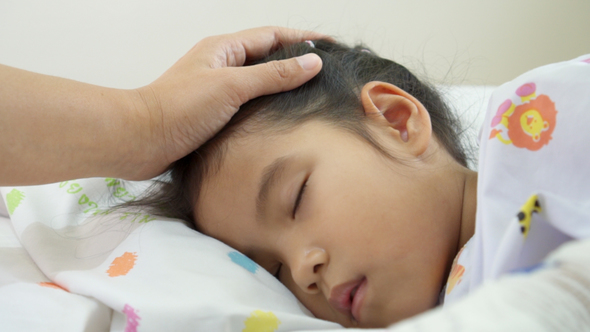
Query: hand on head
x=198 y=95
x=55 y=129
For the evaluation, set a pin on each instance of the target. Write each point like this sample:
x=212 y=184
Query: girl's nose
x=307 y=270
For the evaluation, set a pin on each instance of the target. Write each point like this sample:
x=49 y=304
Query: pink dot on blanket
x=132 y=318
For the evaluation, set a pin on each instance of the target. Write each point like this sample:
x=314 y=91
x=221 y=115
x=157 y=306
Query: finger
x=275 y=76
x=235 y=49
x=259 y=41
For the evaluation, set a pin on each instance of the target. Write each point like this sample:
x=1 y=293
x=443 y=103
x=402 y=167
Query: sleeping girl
x=354 y=191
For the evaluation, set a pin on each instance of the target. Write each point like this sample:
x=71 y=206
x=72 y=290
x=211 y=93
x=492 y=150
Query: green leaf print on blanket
x=13 y=200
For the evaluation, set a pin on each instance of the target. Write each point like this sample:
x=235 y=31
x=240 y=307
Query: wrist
x=142 y=152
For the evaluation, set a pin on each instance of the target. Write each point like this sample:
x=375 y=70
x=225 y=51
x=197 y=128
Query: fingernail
x=308 y=61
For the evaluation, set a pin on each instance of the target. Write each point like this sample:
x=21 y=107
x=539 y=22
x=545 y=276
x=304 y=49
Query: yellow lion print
x=529 y=125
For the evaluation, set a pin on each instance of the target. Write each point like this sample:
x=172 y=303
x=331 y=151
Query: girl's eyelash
x=298 y=200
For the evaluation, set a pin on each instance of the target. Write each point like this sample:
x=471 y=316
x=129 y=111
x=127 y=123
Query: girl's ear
x=407 y=118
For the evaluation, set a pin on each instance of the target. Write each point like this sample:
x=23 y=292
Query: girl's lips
x=341 y=300
x=359 y=297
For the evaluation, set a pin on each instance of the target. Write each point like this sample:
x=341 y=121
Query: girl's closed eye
x=297 y=202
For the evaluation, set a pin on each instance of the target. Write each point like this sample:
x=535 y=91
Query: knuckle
x=231 y=87
x=281 y=69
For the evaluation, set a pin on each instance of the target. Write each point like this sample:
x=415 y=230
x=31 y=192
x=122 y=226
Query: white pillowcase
x=3 y=209
x=470 y=103
x=154 y=273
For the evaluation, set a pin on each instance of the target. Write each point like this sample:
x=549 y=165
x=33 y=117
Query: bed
x=69 y=263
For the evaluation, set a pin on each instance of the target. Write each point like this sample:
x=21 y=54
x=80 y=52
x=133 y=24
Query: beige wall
x=127 y=43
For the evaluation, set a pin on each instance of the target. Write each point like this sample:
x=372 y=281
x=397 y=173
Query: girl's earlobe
x=405 y=115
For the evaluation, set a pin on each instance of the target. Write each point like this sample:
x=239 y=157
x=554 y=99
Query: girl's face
x=360 y=239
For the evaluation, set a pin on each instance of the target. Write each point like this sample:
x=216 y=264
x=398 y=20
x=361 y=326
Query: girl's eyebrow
x=271 y=175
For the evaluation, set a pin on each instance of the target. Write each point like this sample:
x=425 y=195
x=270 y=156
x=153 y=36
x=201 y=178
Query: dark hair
x=332 y=96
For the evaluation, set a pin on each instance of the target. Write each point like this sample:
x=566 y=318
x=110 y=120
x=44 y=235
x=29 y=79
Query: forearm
x=52 y=129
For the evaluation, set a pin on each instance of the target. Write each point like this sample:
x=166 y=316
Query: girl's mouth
x=348 y=297
x=357 y=297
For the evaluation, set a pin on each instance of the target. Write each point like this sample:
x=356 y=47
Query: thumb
x=277 y=76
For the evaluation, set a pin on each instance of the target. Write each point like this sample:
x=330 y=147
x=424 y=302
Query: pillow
x=470 y=103
x=154 y=273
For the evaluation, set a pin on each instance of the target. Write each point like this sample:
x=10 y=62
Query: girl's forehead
x=238 y=173
x=243 y=162
x=256 y=143
x=244 y=156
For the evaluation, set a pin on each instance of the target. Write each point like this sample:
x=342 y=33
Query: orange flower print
x=51 y=285
x=122 y=264
x=455 y=277
x=456 y=273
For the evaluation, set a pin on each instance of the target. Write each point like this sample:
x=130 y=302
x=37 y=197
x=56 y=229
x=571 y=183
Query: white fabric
x=128 y=271
x=469 y=102
x=8 y=238
x=3 y=209
x=544 y=180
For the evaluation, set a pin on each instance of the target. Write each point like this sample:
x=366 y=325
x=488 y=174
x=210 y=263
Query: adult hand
x=54 y=129
x=197 y=96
